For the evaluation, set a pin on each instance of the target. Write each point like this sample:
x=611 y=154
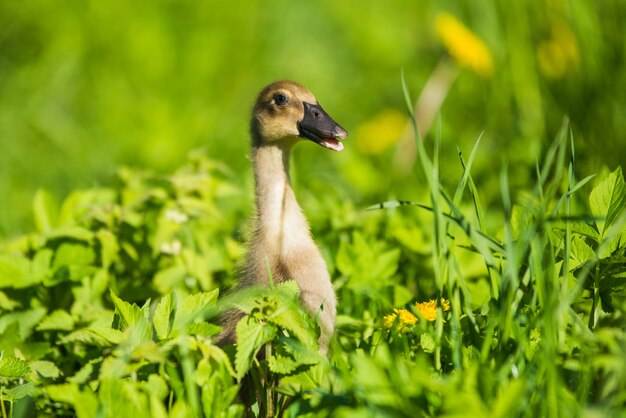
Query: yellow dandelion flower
x=390 y=319
x=381 y=132
x=465 y=47
x=427 y=309
x=445 y=305
x=403 y=318
x=406 y=317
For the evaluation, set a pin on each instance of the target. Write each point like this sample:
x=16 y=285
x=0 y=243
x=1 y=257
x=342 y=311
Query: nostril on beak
x=340 y=133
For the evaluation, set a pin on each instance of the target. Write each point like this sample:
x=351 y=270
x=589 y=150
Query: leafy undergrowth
x=110 y=308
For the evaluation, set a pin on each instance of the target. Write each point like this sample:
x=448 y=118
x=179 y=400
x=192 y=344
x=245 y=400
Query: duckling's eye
x=280 y=99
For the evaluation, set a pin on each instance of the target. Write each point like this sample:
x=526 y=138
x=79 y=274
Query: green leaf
x=251 y=335
x=162 y=317
x=608 y=199
x=129 y=313
x=25 y=319
x=221 y=357
x=85 y=373
x=98 y=335
x=204 y=329
x=303 y=354
x=282 y=364
x=148 y=350
x=15 y=272
x=58 y=320
x=368 y=263
x=45 y=210
x=18 y=392
x=85 y=403
x=12 y=367
x=507 y=403
x=427 y=343
x=6 y=303
x=117 y=395
x=70 y=254
x=77 y=233
x=40 y=265
x=167 y=279
x=193 y=307
x=157 y=386
x=290 y=315
x=110 y=248
x=203 y=372
x=580 y=252
x=45 y=369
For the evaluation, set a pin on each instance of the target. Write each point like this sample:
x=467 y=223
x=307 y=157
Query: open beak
x=319 y=127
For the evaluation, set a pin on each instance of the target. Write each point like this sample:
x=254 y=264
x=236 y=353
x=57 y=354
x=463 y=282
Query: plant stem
x=268 y=382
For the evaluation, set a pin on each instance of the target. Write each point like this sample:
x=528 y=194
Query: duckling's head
x=286 y=112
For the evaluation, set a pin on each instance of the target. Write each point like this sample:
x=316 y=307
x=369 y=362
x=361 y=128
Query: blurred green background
x=89 y=86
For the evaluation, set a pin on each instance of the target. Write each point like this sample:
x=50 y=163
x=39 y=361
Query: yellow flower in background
x=445 y=305
x=381 y=132
x=466 y=48
x=404 y=317
x=559 y=53
x=429 y=309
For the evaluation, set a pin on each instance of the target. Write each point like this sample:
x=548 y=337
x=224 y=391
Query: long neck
x=279 y=220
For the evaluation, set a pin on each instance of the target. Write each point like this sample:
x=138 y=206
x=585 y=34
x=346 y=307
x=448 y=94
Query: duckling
x=286 y=113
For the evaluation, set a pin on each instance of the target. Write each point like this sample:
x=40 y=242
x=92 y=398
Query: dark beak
x=319 y=127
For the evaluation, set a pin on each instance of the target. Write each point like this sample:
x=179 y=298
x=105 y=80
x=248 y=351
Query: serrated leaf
x=251 y=335
x=608 y=199
x=58 y=320
x=193 y=307
x=580 y=252
x=580 y=228
x=290 y=315
x=98 y=335
x=291 y=356
x=129 y=313
x=162 y=317
x=13 y=367
x=282 y=364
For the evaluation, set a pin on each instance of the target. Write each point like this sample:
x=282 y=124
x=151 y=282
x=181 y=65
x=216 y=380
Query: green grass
x=109 y=307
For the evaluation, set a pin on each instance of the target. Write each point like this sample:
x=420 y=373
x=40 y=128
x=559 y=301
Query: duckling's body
x=284 y=114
